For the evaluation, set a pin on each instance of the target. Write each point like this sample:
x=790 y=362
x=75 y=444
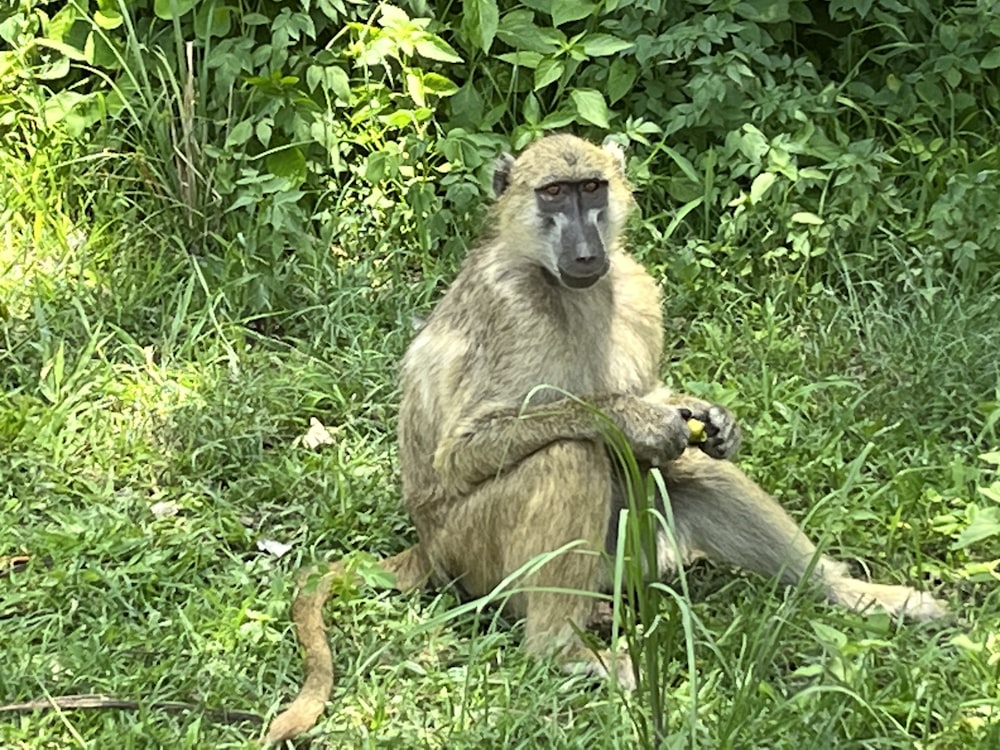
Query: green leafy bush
x=798 y=141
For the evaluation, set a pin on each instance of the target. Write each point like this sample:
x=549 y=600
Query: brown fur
x=503 y=461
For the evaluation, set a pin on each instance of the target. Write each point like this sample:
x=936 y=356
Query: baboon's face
x=562 y=203
x=574 y=226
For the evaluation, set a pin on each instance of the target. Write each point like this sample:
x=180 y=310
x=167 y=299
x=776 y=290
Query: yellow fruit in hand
x=697 y=428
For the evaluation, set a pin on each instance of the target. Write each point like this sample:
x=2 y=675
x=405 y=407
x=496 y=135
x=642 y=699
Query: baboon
x=501 y=449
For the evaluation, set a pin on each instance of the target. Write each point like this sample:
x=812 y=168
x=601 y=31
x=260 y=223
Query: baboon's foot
x=899 y=601
x=603 y=664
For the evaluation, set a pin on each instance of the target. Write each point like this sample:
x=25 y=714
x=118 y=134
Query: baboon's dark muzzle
x=583 y=260
x=581 y=276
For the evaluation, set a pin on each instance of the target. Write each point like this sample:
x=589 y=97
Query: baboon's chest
x=610 y=351
x=529 y=332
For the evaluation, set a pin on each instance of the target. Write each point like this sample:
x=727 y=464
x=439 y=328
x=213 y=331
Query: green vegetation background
x=219 y=220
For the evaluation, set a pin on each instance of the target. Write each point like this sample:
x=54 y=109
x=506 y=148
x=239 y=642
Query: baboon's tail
x=411 y=571
x=307 y=614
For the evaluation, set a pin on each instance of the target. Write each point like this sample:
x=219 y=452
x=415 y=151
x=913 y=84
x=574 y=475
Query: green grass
x=131 y=386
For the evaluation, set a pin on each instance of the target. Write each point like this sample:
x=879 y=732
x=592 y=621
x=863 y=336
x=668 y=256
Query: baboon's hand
x=657 y=433
x=723 y=434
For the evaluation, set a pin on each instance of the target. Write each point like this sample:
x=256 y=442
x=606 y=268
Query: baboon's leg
x=558 y=495
x=411 y=570
x=720 y=512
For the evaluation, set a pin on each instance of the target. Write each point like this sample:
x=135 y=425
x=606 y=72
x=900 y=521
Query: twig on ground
x=73 y=702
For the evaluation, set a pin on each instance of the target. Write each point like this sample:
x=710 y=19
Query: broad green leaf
x=590 y=106
x=480 y=19
x=170 y=9
x=829 y=635
x=314 y=74
x=332 y=78
x=420 y=84
x=335 y=10
x=930 y=92
x=58 y=68
x=645 y=127
x=59 y=106
x=760 y=185
x=375 y=167
x=98 y=52
x=64 y=25
x=531 y=110
x=763 y=11
x=548 y=70
x=415 y=88
x=524 y=58
x=335 y=78
x=800 y=13
x=439 y=85
x=621 y=78
x=263 y=129
x=108 y=19
x=563 y=11
x=467 y=106
x=435 y=48
x=392 y=16
x=558 y=119
x=948 y=34
x=602 y=45
x=806 y=217
x=841 y=9
x=991 y=59
x=518 y=29
x=239 y=134
x=373 y=574
x=985 y=524
x=752 y=142
x=288 y=162
x=402 y=118
x=68 y=50
x=964 y=101
x=212 y=20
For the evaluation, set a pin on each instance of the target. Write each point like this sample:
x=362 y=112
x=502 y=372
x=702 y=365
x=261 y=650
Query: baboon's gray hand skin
x=657 y=433
x=724 y=434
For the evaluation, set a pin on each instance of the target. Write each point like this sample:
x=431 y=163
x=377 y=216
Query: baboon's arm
x=496 y=438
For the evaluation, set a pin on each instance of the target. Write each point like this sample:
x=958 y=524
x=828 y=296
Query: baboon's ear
x=612 y=146
x=501 y=174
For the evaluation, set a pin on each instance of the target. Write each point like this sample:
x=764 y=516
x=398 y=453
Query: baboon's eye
x=590 y=186
x=553 y=190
